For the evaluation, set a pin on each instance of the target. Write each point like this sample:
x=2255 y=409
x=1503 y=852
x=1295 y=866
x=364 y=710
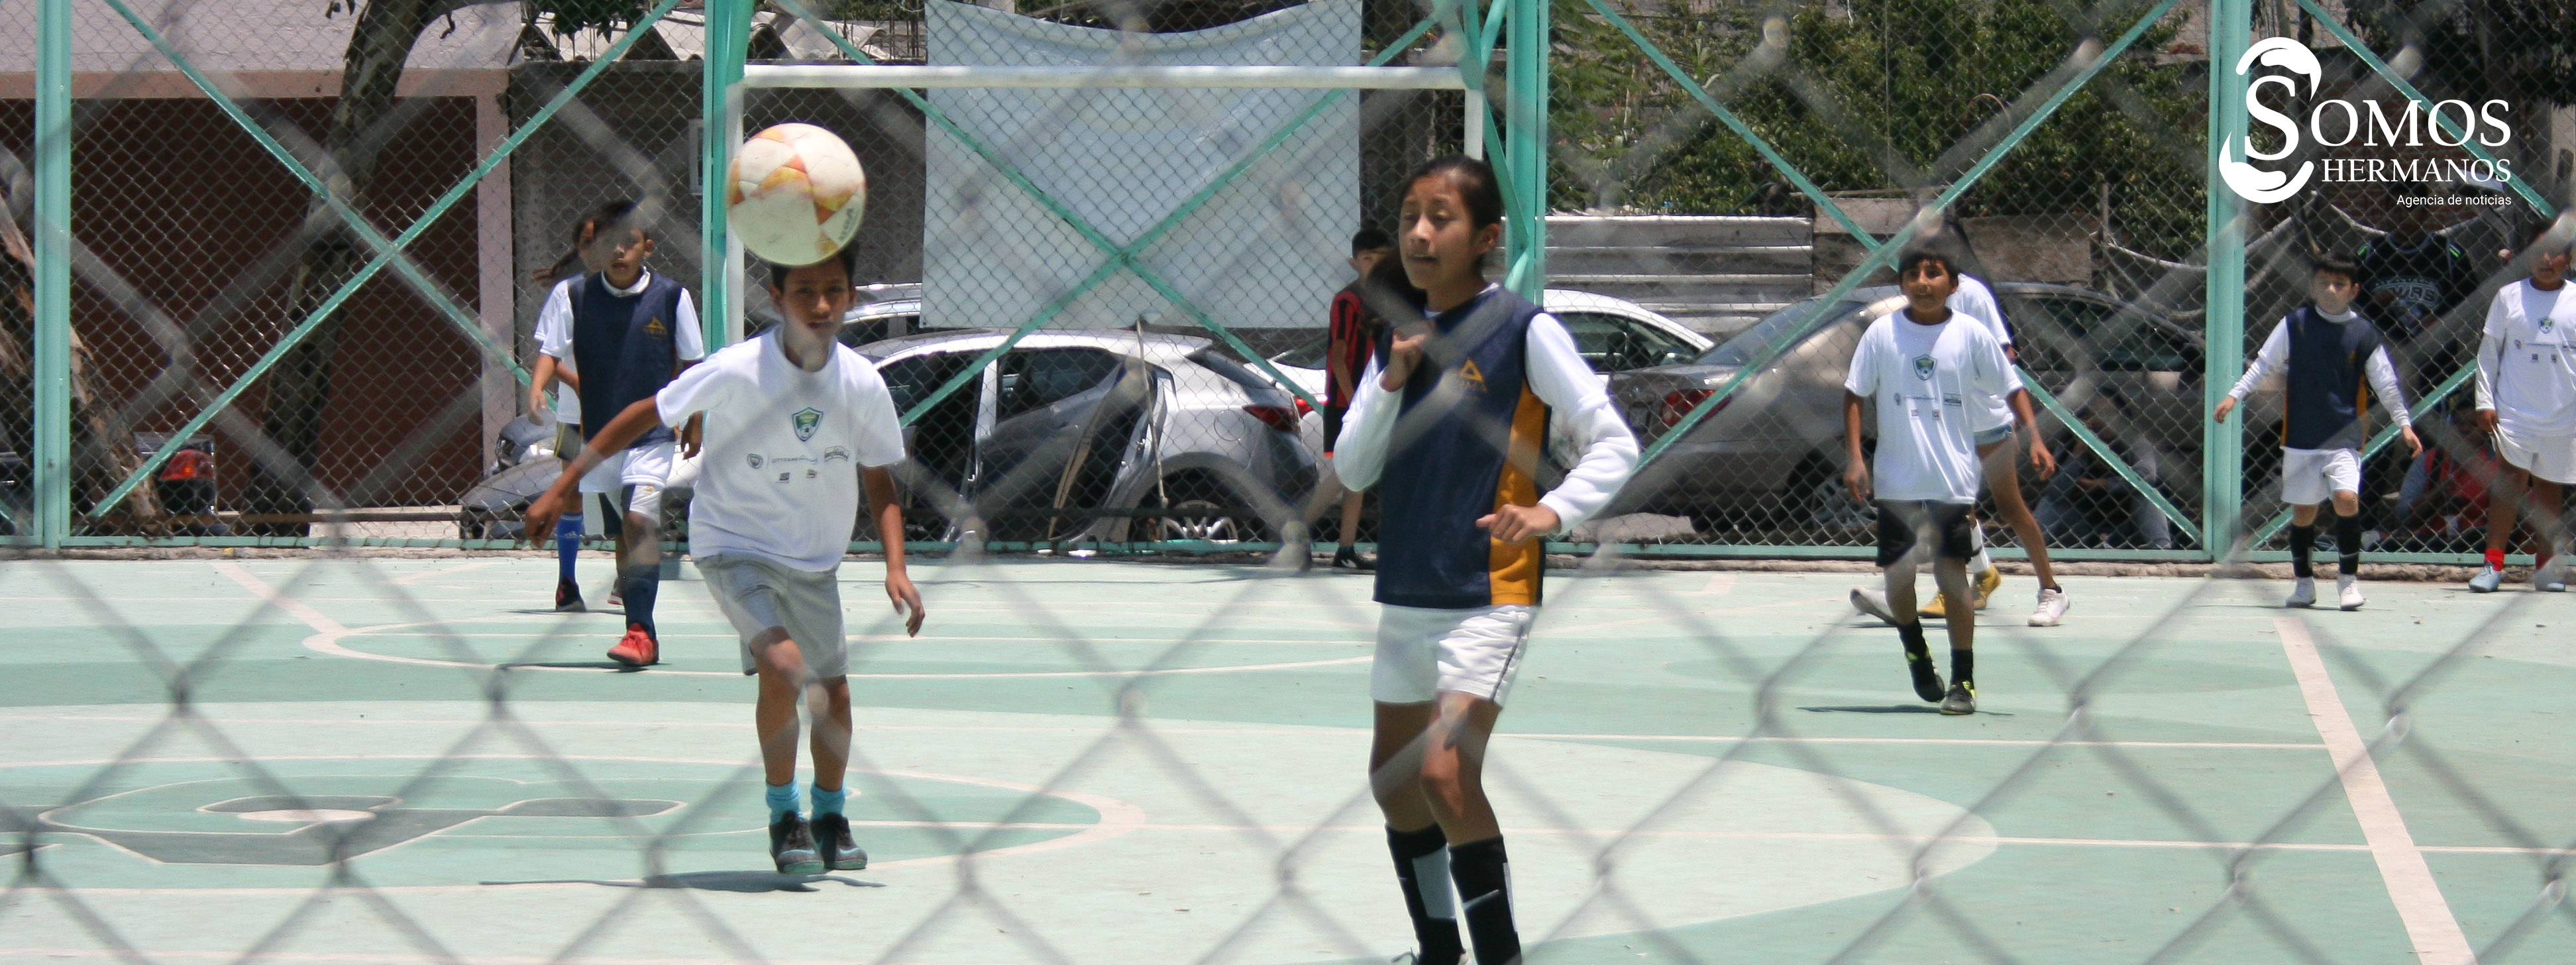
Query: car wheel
x=1203 y=515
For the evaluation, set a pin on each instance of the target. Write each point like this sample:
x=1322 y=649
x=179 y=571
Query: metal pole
x=53 y=249
x=2222 y=465
x=1525 y=145
x=728 y=42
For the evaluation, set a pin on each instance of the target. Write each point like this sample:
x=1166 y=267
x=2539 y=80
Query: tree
x=299 y=388
x=1871 y=95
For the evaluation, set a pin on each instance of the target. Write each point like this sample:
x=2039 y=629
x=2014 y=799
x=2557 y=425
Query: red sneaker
x=638 y=649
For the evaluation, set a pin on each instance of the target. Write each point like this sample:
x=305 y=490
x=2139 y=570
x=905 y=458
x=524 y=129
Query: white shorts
x=757 y=596
x=2552 y=458
x=647 y=468
x=2312 y=476
x=1422 y=652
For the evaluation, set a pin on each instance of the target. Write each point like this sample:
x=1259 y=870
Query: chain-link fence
x=1729 y=182
x=305 y=315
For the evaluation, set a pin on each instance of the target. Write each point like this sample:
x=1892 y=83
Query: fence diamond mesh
x=306 y=272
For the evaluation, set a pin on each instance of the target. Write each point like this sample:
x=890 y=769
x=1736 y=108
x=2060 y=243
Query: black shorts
x=1902 y=522
x=1332 y=426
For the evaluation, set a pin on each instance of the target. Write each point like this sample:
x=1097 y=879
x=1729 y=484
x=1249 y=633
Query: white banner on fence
x=1265 y=250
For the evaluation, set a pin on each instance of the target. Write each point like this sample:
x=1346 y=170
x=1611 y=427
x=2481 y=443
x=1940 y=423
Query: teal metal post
x=53 y=244
x=728 y=40
x=1525 y=145
x=2222 y=452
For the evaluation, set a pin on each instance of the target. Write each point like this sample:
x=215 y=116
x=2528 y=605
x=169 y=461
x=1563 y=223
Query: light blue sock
x=829 y=802
x=782 y=801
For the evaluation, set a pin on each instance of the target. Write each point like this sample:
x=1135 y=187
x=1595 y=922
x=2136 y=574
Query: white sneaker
x=2052 y=608
x=2302 y=593
x=2551 y=578
x=1872 y=602
x=2349 y=590
x=2487 y=581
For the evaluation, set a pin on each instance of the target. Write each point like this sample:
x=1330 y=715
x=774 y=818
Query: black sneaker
x=1927 y=682
x=1962 y=699
x=568 y=597
x=832 y=837
x=791 y=845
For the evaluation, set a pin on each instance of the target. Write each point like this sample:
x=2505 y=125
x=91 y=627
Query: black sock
x=2303 y=546
x=639 y=586
x=1485 y=899
x=1912 y=635
x=2348 y=545
x=1422 y=861
x=1963 y=666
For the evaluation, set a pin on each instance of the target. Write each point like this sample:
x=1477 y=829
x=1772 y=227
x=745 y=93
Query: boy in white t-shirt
x=1937 y=380
x=555 y=364
x=2527 y=401
x=795 y=424
x=2331 y=359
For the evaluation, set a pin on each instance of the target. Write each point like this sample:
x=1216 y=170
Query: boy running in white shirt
x=2527 y=400
x=796 y=424
x=1937 y=380
x=2000 y=448
x=2333 y=359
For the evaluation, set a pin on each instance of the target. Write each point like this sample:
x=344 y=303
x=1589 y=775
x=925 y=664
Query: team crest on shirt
x=2545 y=323
x=655 y=328
x=1923 y=367
x=1472 y=375
x=807 y=420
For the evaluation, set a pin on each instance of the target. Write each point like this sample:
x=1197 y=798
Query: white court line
x=1308 y=731
x=291 y=606
x=2430 y=925
x=330 y=632
x=1719 y=584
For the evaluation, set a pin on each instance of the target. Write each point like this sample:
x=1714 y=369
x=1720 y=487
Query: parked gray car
x=1096 y=435
x=1771 y=457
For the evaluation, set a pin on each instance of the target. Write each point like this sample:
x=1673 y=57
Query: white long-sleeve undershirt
x=2274 y=359
x=1559 y=377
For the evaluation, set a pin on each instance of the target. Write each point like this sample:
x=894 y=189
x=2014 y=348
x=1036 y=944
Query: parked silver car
x=1771 y=456
x=1095 y=435
x=1614 y=334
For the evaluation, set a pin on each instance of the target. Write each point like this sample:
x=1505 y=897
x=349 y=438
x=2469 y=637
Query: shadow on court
x=740 y=882
x=1892 y=709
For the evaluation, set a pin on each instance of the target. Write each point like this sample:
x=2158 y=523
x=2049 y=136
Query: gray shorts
x=758 y=595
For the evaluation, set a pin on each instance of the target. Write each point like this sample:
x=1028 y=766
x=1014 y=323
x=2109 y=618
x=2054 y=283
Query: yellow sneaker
x=1987 y=583
x=1938 y=609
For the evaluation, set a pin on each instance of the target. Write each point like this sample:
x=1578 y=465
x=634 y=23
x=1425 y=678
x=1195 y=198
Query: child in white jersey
x=2332 y=359
x=796 y=423
x=1938 y=381
x=2527 y=401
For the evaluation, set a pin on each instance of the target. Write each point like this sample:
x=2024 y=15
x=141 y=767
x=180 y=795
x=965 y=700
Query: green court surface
x=317 y=761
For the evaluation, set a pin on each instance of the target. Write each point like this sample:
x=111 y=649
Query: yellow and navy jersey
x=1467 y=441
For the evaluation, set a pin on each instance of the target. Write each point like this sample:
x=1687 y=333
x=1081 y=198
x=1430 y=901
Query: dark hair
x=2335 y=264
x=847 y=258
x=2539 y=233
x=1475 y=182
x=1371 y=239
x=1905 y=263
x=610 y=215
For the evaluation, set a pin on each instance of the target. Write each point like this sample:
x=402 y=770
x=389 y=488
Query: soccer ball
x=795 y=193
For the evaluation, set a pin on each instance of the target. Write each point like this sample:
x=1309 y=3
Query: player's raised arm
x=538 y=523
